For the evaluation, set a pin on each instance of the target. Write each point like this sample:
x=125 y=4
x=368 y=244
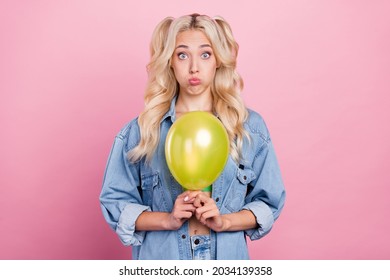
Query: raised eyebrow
x=201 y=46
x=205 y=46
x=182 y=46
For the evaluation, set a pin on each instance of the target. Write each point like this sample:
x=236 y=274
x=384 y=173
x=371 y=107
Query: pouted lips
x=194 y=81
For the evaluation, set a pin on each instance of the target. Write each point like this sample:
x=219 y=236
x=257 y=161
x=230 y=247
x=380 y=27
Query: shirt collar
x=171 y=112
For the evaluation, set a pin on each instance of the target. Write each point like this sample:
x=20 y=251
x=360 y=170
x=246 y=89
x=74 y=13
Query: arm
x=266 y=195
x=182 y=210
x=120 y=199
x=241 y=220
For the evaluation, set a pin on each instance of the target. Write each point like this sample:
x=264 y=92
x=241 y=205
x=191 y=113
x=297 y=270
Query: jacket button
x=183 y=236
x=244 y=177
x=196 y=241
x=217 y=199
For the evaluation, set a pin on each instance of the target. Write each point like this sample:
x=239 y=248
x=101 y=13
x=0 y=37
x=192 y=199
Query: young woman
x=192 y=68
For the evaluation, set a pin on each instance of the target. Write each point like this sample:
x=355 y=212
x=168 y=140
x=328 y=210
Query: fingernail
x=186 y=198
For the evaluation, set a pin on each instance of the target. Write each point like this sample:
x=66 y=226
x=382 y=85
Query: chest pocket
x=152 y=192
x=238 y=189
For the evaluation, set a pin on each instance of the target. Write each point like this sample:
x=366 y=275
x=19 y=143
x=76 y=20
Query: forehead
x=192 y=38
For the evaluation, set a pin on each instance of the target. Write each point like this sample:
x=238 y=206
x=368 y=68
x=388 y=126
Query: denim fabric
x=255 y=184
x=201 y=247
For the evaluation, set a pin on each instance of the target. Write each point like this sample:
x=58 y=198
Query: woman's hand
x=207 y=212
x=183 y=209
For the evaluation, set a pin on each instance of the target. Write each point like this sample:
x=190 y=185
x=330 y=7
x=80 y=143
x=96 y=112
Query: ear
x=219 y=63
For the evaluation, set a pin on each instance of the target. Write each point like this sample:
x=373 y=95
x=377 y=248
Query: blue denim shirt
x=131 y=188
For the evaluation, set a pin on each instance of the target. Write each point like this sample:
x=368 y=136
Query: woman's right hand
x=183 y=209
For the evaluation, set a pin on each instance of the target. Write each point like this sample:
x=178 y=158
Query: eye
x=181 y=56
x=205 y=55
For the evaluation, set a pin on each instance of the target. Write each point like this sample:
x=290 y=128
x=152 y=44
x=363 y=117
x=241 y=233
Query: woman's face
x=193 y=63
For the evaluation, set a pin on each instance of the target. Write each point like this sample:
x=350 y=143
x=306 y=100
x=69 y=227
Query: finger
x=205 y=208
x=187 y=207
x=184 y=193
x=184 y=197
x=185 y=215
x=202 y=201
x=208 y=215
x=189 y=196
x=196 y=202
x=206 y=211
x=181 y=215
x=185 y=211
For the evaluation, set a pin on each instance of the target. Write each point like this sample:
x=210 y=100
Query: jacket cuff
x=264 y=219
x=126 y=225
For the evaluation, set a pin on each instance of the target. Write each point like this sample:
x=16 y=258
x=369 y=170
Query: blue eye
x=205 y=55
x=182 y=55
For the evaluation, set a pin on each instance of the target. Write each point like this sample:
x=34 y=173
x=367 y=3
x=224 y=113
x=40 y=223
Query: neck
x=187 y=104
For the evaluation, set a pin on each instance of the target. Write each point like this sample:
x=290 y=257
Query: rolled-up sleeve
x=120 y=199
x=126 y=225
x=264 y=219
x=267 y=194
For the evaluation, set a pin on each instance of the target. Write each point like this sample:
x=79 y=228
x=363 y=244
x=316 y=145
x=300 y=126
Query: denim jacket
x=129 y=189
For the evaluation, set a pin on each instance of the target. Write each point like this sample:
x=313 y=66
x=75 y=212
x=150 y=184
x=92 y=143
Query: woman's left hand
x=207 y=212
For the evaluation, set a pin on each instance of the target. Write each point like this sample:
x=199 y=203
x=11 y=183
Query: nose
x=194 y=67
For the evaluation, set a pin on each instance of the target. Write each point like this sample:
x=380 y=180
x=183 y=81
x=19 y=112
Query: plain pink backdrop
x=72 y=73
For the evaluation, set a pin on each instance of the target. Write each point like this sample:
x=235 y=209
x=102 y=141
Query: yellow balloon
x=196 y=149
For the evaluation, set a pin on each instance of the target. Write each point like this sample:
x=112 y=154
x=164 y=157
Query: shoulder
x=255 y=124
x=130 y=134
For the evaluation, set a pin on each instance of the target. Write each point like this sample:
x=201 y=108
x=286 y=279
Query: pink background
x=72 y=73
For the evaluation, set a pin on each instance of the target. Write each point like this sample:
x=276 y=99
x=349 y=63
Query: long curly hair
x=162 y=86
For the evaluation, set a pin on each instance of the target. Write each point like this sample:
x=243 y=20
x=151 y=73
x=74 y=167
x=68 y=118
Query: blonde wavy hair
x=162 y=86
